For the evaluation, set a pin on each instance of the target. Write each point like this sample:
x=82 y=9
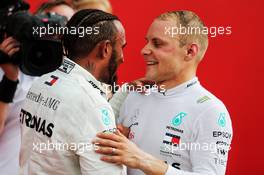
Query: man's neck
x=89 y=66
x=176 y=81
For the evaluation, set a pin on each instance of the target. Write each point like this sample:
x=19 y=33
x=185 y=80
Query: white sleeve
x=124 y=113
x=101 y=119
x=213 y=132
x=117 y=100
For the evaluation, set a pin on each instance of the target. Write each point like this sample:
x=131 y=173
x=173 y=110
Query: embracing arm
x=127 y=153
x=213 y=128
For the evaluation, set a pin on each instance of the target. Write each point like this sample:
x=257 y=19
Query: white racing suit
x=62 y=113
x=186 y=126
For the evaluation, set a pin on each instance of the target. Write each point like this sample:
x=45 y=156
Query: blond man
x=180 y=128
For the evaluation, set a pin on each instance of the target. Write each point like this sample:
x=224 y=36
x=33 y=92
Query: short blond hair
x=188 y=19
x=78 y=4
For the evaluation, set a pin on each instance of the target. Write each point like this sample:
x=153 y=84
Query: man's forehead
x=121 y=34
x=159 y=28
x=119 y=26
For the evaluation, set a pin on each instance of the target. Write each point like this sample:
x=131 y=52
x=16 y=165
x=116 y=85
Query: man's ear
x=192 y=51
x=104 y=49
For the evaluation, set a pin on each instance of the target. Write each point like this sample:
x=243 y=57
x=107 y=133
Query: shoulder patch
x=203 y=99
x=66 y=66
x=106 y=117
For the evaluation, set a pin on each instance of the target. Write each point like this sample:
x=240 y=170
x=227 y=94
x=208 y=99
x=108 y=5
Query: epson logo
x=222 y=134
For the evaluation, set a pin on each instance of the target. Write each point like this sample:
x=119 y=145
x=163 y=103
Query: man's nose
x=145 y=50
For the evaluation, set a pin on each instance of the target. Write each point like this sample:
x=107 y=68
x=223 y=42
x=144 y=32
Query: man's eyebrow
x=153 y=39
x=156 y=39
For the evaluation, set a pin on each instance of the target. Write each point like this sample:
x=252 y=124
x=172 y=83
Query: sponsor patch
x=66 y=66
x=37 y=123
x=49 y=102
x=52 y=81
x=171 y=139
x=177 y=120
x=174 y=129
x=96 y=87
x=105 y=117
x=222 y=120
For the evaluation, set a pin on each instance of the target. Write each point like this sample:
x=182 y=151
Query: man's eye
x=156 y=44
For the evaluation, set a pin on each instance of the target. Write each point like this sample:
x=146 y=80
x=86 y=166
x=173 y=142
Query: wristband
x=7 y=89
